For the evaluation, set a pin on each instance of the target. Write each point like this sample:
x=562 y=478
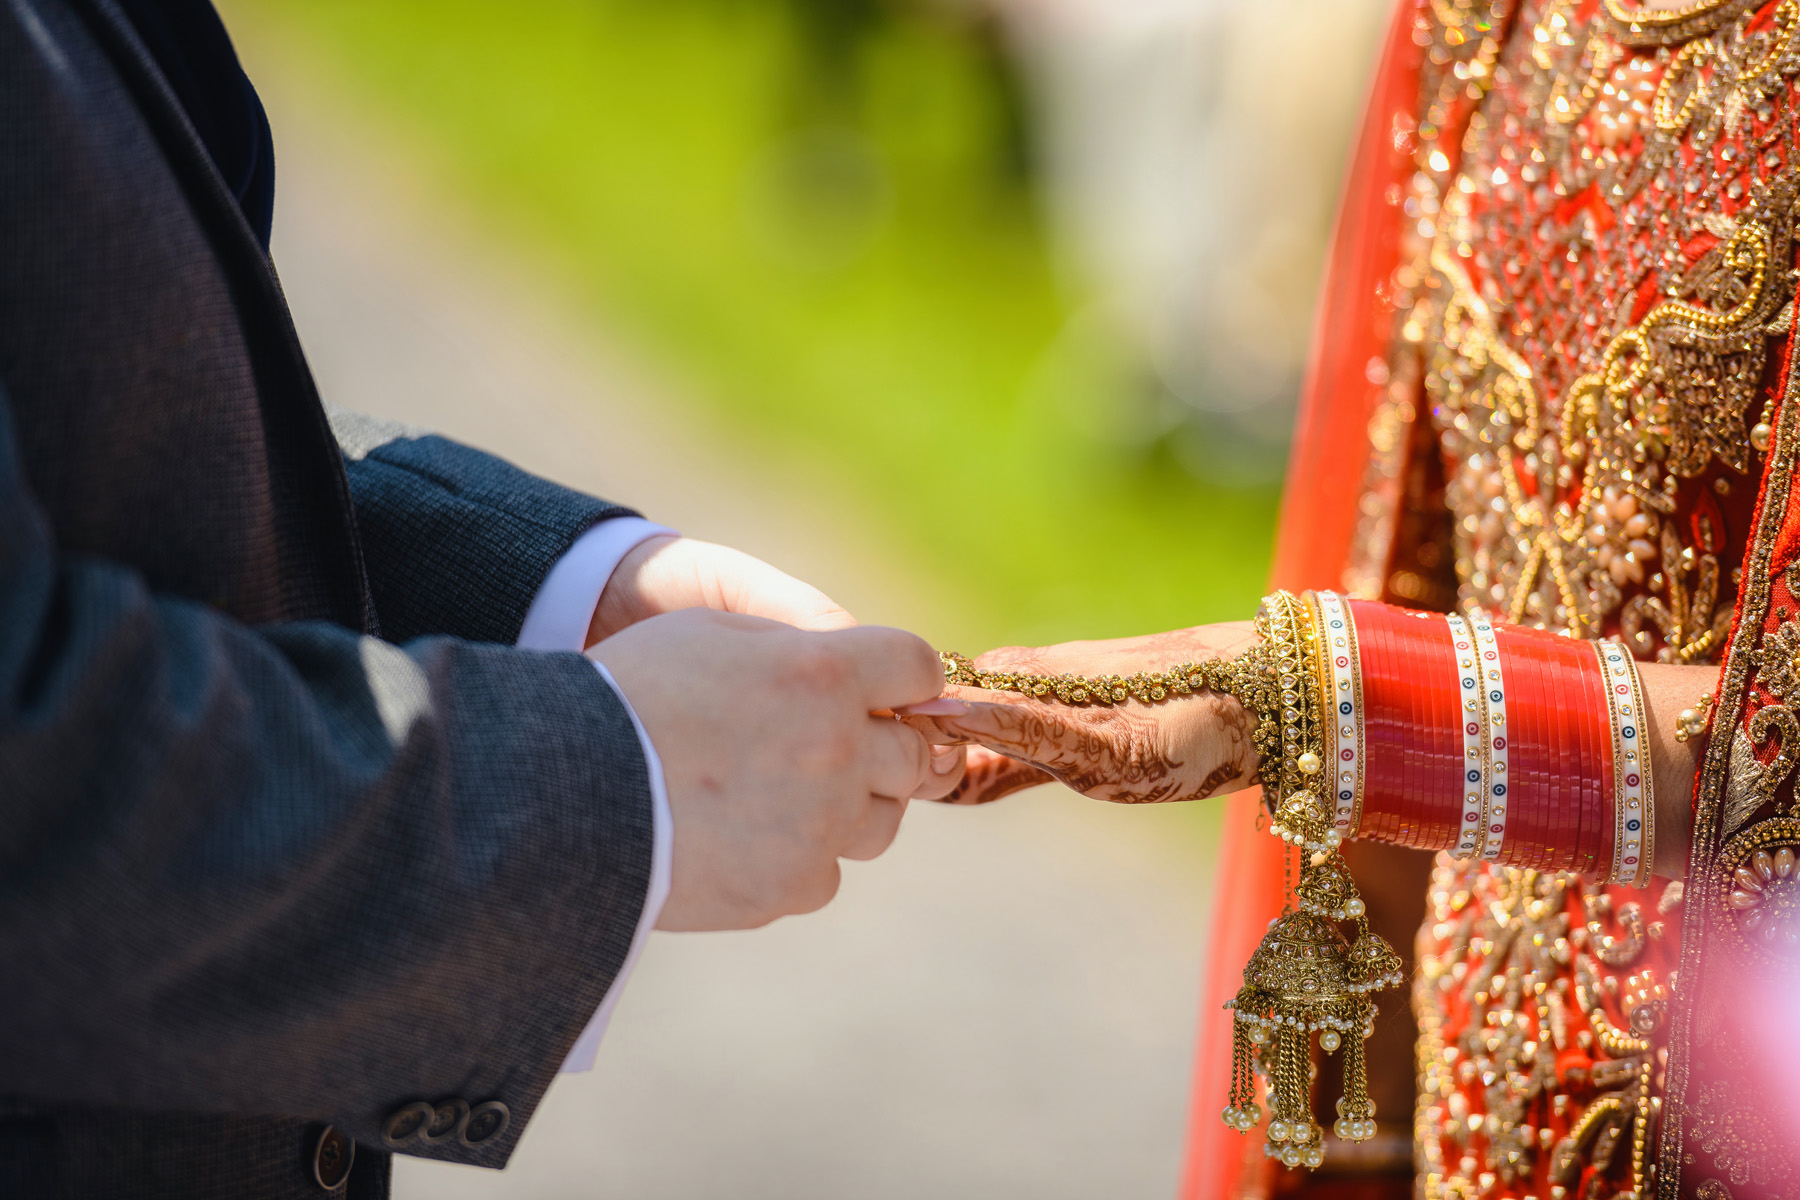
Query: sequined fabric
x=1590 y=316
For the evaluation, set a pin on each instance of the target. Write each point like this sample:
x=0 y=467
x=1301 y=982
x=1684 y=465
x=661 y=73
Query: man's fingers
x=898 y=759
x=760 y=590
x=894 y=668
x=877 y=830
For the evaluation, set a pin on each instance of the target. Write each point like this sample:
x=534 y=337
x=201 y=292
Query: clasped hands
x=774 y=715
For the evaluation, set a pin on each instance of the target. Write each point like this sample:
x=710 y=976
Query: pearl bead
x=1278 y=1131
x=1354 y=908
x=1760 y=436
x=1330 y=1040
x=1309 y=763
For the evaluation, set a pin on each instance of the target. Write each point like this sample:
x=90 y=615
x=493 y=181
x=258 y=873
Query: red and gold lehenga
x=1553 y=384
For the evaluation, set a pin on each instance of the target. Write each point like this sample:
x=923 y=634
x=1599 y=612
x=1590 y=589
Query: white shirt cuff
x=563 y=608
x=558 y=619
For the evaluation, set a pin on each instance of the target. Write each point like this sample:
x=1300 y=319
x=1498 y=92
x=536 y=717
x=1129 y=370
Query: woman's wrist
x=1670 y=690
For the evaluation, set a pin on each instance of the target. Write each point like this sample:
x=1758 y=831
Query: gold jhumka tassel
x=1307 y=976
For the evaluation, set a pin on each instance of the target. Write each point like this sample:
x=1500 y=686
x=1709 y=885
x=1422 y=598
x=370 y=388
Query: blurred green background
x=825 y=219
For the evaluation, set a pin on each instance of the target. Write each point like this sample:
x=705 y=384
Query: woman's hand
x=1184 y=748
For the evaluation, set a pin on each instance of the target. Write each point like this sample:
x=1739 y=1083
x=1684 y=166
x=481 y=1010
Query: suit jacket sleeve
x=455 y=540
x=293 y=870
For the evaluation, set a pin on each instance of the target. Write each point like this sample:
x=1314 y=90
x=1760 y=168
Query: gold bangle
x=1306 y=976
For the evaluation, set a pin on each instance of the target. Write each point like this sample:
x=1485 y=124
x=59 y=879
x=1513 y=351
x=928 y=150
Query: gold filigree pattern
x=1688 y=616
x=1582 y=455
x=1640 y=24
x=1556 y=1002
x=1570 y=496
x=1737 y=1136
x=1596 y=259
x=1753 y=784
x=1778 y=662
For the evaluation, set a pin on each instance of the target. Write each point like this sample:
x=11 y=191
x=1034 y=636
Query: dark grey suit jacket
x=289 y=835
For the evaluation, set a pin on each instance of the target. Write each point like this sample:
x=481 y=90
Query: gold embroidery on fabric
x=1689 y=618
x=1731 y=1128
x=1744 y=794
x=1669 y=396
x=1567 y=489
x=1505 y=943
x=1597 y=250
x=1778 y=662
x=1464 y=44
x=1710 y=1117
x=1642 y=25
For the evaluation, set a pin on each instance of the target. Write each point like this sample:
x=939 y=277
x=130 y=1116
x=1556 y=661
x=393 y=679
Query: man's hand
x=775 y=767
x=667 y=574
x=1186 y=748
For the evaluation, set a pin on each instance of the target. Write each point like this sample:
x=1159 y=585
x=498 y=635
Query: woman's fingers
x=946 y=773
x=1132 y=753
x=1020 y=728
x=1185 y=749
x=1083 y=747
x=990 y=776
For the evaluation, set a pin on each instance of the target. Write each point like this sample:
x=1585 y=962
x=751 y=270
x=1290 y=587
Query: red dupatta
x=1318 y=518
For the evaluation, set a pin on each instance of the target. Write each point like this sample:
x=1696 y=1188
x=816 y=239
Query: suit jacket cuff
x=581 y=1057
x=558 y=619
x=455 y=540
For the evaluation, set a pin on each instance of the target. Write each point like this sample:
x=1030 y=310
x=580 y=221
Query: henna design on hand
x=1188 y=748
x=1121 y=753
x=992 y=776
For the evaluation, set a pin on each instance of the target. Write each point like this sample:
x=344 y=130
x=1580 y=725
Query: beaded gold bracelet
x=1306 y=976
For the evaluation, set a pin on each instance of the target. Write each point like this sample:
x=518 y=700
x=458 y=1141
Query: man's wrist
x=621 y=602
x=562 y=613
